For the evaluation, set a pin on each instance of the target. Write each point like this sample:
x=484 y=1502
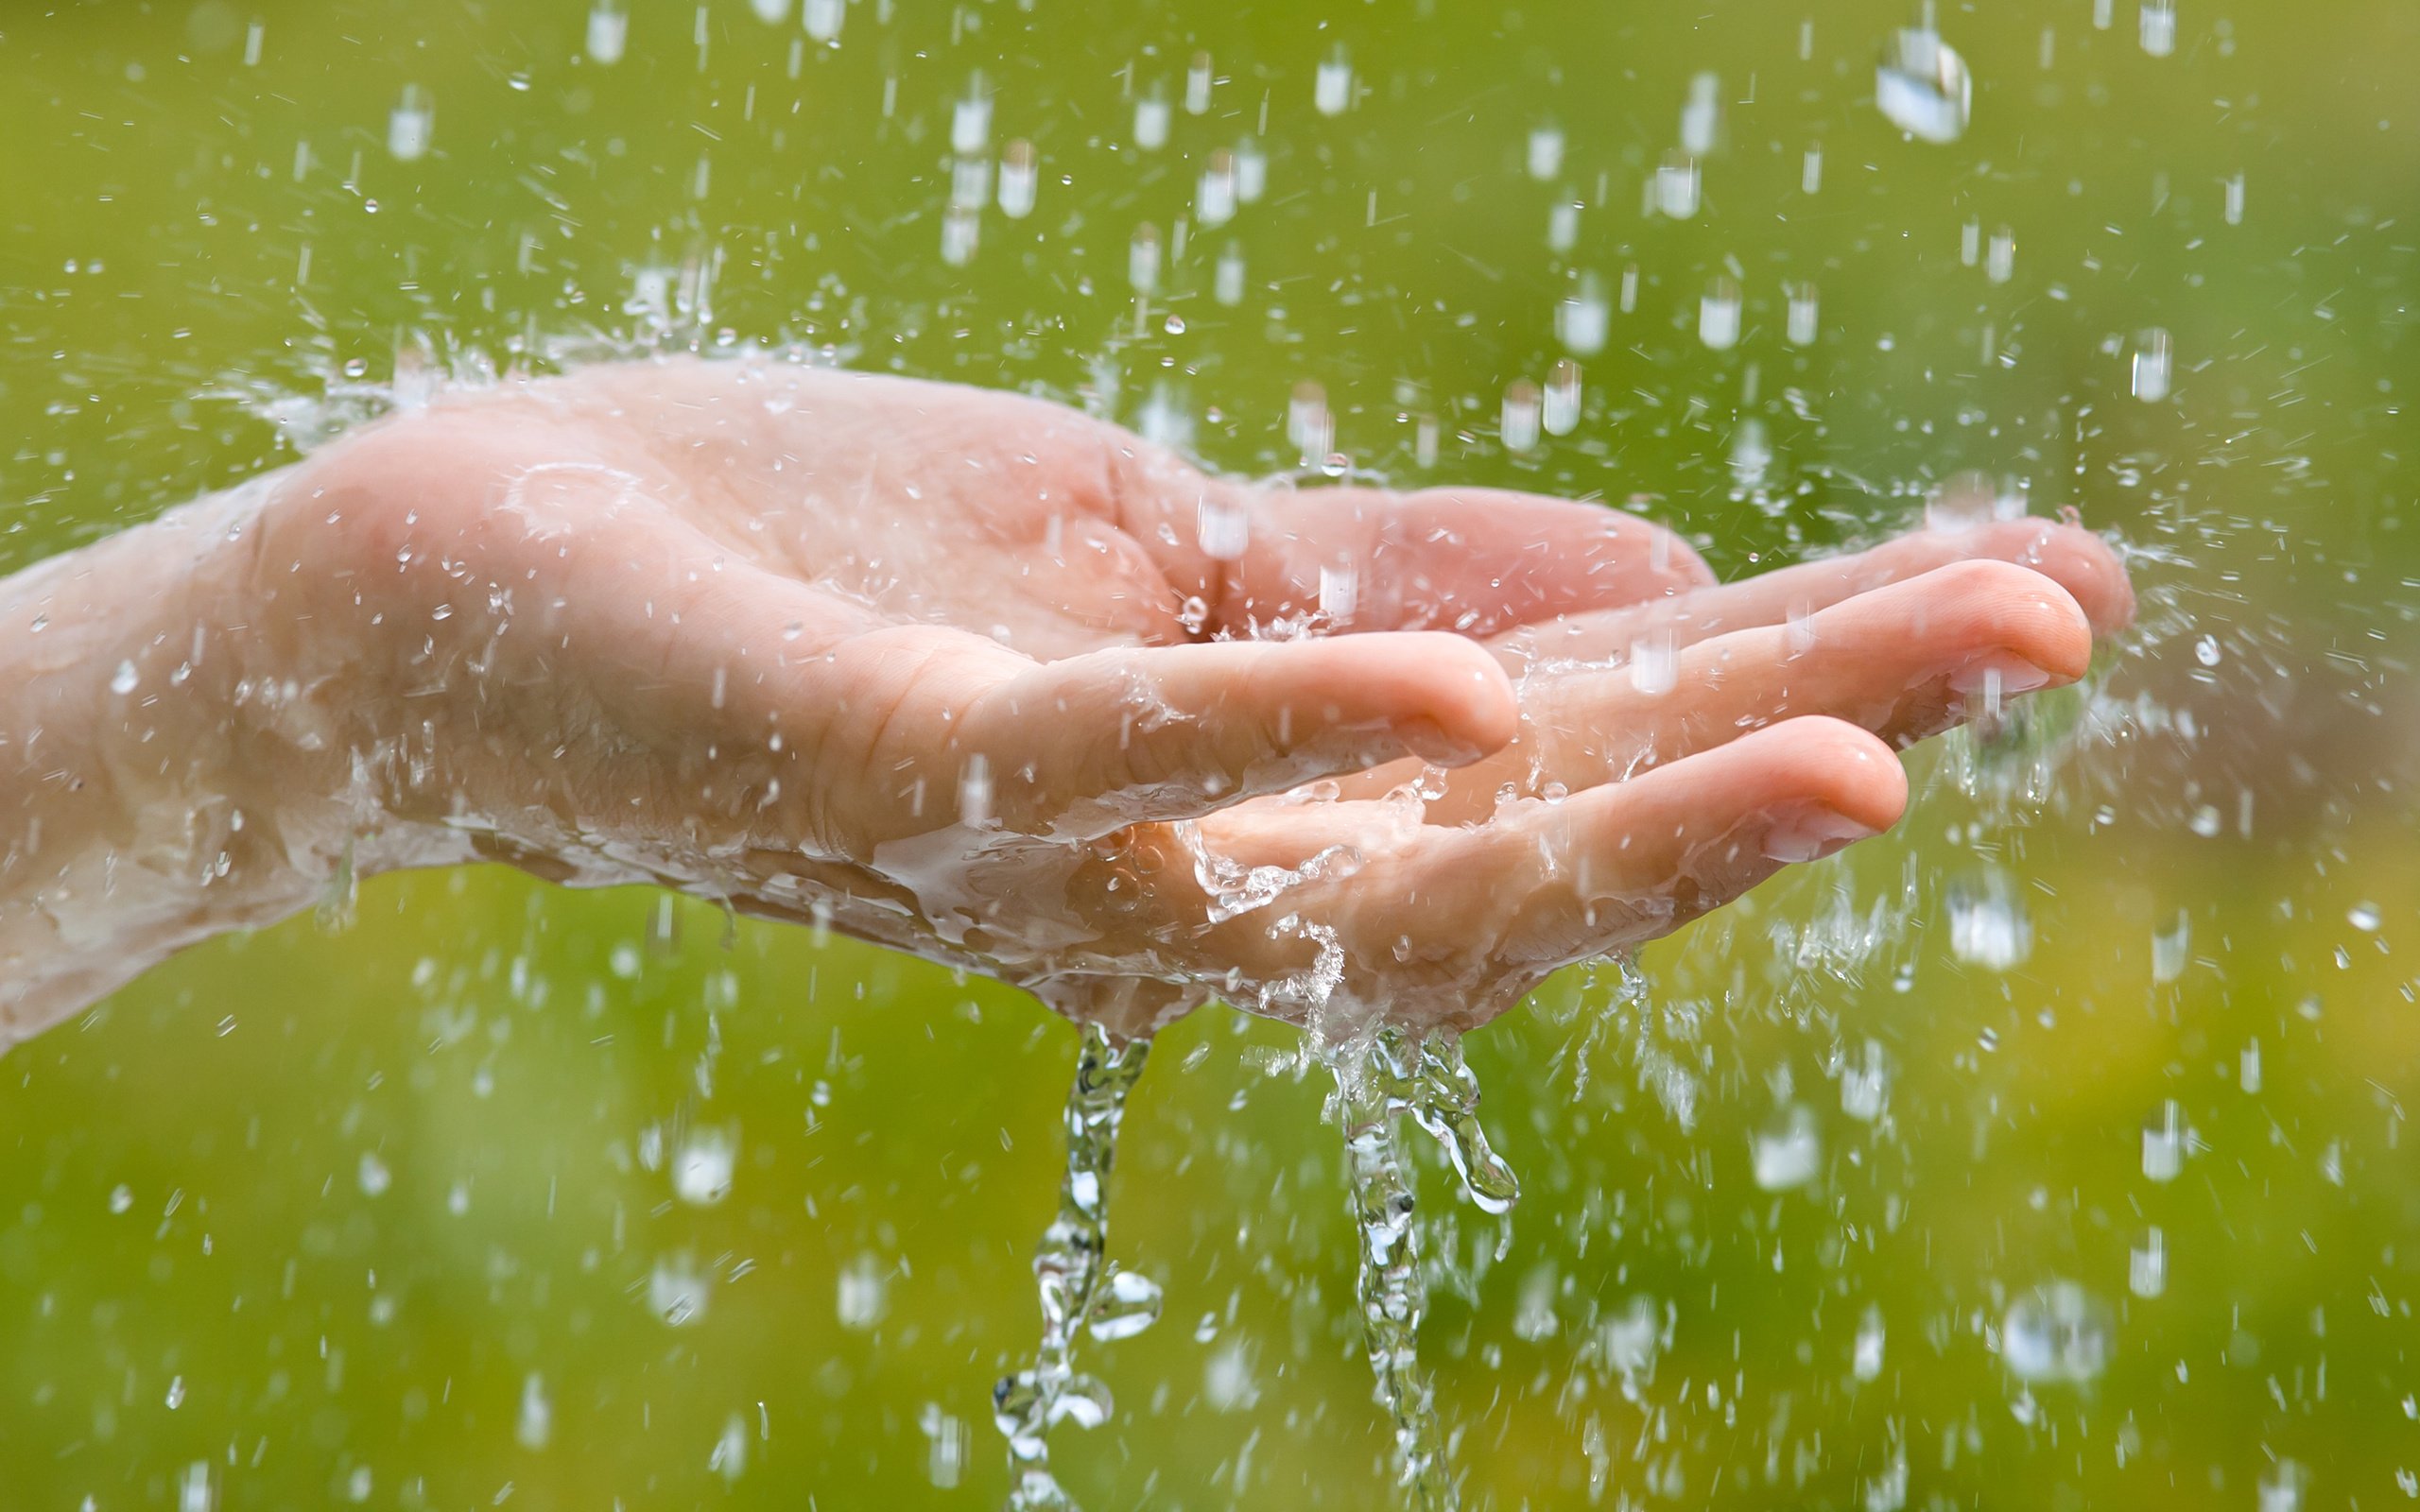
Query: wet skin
x=952 y=670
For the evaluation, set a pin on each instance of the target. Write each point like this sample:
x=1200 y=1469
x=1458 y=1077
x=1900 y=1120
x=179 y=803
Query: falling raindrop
x=1718 y=314
x=1227 y=283
x=2158 y=27
x=822 y=19
x=1198 y=80
x=1580 y=317
x=2153 y=365
x=2147 y=1265
x=410 y=123
x=970 y=120
x=1676 y=185
x=1789 y=1154
x=1020 y=175
x=1143 y=259
x=609 y=31
x=1559 y=410
x=1546 y=152
x=1802 y=326
x=2057 y=1333
x=1252 y=172
x=960 y=231
x=1521 y=415
x=1563 y=226
x=1331 y=88
x=2000 y=265
x=1214 y=196
x=1702 y=116
x=2163 y=1144
x=1923 y=87
x=1151 y=118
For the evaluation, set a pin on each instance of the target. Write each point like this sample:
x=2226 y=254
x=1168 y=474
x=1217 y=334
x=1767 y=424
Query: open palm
x=978 y=677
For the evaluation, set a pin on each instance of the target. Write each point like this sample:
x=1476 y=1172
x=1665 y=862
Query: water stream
x=1082 y=1291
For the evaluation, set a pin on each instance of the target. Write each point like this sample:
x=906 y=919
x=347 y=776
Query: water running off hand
x=1080 y=1288
x=1391 y=1075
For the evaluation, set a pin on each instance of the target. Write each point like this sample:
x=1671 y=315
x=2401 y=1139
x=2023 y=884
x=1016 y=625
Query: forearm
x=144 y=804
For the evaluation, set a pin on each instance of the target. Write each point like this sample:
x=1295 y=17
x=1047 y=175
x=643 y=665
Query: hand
x=973 y=675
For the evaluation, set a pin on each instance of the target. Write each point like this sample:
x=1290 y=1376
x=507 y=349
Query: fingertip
x=1839 y=766
x=1458 y=702
x=2081 y=563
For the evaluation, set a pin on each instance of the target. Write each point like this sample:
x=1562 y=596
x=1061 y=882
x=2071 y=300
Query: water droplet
x=970 y=120
x=1804 y=312
x=372 y=1175
x=1789 y=1154
x=822 y=17
x=2158 y=27
x=1810 y=170
x=2147 y=1265
x=1307 y=423
x=1560 y=412
x=863 y=1294
x=1563 y=226
x=1214 y=194
x=1582 y=317
x=677 y=1292
x=2171 y=947
x=1718 y=314
x=609 y=31
x=1989 y=925
x=1227 y=284
x=124 y=679
x=2163 y=1144
x=1676 y=185
x=1923 y=87
x=1865 y=1361
x=1654 y=664
x=1332 y=90
x=2364 y=916
x=536 y=1425
x=1252 y=172
x=1520 y=415
x=2152 y=367
x=1223 y=529
x=1546 y=152
x=1198 y=80
x=961 y=232
x=2000 y=265
x=1151 y=118
x=2281 y=1489
x=2057 y=1333
x=410 y=123
x=1143 y=259
x=1865 y=1088
x=1128 y=1305
x=1020 y=174
x=770 y=10
x=1702 y=116
x=945 y=1446
x=2233 y=187
x=701 y=1171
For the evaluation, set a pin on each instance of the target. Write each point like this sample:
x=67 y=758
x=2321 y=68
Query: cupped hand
x=980 y=678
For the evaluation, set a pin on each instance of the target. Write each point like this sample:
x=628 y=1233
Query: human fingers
x=1080 y=747
x=1434 y=928
x=2076 y=560
x=1474 y=561
x=1904 y=662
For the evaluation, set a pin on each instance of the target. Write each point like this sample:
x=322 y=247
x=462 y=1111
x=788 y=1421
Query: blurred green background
x=388 y=1214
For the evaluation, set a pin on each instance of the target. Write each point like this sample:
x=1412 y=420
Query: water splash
x=1080 y=1289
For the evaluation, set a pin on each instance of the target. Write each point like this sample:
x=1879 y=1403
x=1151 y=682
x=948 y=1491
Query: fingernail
x=1809 y=831
x=2015 y=674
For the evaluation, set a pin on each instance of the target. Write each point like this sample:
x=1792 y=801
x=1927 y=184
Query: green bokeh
x=313 y=1208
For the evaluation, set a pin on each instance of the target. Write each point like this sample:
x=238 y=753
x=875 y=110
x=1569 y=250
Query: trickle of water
x=1521 y=415
x=609 y=31
x=1020 y=177
x=1803 y=323
x=1389 y=1075
x=1676 y=185
x=1331 y=88
x=1923 y=86
x=408 y=125
x=1546 y=151
x=1560 y=412
x=1198 y=80
x=2158 y=27
x=1718 y=314
x=2163 y=1144
x=2059 y=1333
x=2153 y=365
x=1077 y=1284
x=1582 y=317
